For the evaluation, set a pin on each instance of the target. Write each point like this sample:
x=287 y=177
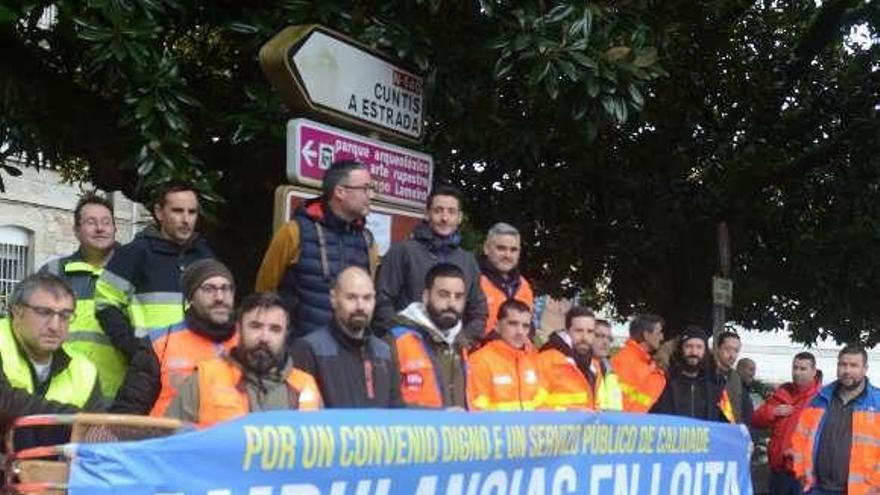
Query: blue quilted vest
x=327 y=246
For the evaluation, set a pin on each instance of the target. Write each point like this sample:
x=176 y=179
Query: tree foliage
x=615 y=134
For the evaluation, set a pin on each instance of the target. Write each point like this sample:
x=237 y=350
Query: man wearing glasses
x=327 y=235
x=95 y=229
x=42 y=307
x=174 y=352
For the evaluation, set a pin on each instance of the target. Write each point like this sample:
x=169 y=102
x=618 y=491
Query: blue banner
x=391 y=452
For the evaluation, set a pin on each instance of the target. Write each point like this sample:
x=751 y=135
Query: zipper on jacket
x=368 y=376
x=693 y=402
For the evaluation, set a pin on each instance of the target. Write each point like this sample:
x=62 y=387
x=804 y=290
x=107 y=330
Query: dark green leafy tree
x=615 y=134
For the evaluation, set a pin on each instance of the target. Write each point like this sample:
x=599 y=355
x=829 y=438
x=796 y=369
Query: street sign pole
x=722 y=287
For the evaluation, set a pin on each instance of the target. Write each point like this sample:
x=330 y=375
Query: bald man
x=352 y=367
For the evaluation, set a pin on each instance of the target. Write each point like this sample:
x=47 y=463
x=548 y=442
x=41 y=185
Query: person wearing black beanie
x=693 y=389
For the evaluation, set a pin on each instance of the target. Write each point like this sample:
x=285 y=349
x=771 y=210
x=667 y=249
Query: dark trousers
x=782 y=483
x=819 y=491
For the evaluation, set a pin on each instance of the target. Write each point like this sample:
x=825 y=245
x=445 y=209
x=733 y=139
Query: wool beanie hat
x=196 y=273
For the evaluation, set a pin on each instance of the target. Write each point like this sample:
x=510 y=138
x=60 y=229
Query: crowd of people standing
x=152 y=327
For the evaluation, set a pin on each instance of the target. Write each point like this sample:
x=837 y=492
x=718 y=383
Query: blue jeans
x=782 y=483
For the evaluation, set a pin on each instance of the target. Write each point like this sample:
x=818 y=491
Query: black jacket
x=401 y=278
x=339 y=364
x=696 y=397
x=150 y=264
x=15 y=403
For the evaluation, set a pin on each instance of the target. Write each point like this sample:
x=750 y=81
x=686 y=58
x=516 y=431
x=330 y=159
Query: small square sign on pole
x=722 y=291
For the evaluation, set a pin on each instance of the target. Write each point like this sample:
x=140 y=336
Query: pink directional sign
x=400 y=176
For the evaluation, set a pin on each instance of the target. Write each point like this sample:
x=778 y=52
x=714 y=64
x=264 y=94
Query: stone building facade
x=36 y=222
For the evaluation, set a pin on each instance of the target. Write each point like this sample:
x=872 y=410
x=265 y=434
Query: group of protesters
x=152 y=328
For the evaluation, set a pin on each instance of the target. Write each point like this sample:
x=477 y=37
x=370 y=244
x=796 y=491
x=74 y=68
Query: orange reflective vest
x=502 y=378
x=495 y=297
x=222 y=397
x=864 y=458
x=567 y=387
x=179 y=350
x=421 y=384
x=641 y=380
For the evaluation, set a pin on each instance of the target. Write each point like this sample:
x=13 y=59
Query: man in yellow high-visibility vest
x=95 y=229
x=41 y=309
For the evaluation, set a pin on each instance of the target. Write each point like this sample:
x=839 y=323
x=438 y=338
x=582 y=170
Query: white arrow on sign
x=348 y=80
x=308 y=153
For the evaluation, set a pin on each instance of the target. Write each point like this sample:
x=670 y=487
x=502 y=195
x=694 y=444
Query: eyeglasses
x=94 y=222
x=213 y=290
x=46 y=314
x=366 y=188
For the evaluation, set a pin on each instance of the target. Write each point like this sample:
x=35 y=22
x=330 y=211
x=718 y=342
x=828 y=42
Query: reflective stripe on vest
x=155 y=309
x=634 y=395
x=73 y=385
x=179 y=350
x=222 y=397
x=864 y=452
x=495 y=297
x=567 y=387
x=85 y=337
x=641 y=380
x=501 y=378
x=419 y=384
x=609 y=396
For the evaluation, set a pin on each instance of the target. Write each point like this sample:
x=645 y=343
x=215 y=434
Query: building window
x=14 y=260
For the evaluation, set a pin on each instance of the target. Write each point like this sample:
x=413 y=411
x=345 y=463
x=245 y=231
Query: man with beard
x=566 y=363
x=428 y=345
x=836 y=444
x=257 y=375
x=500 y=279
x=576 y=378
x=171 y=354
x=692 y=388
x=353 y=368
x=401 y=278
x=641 y=377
